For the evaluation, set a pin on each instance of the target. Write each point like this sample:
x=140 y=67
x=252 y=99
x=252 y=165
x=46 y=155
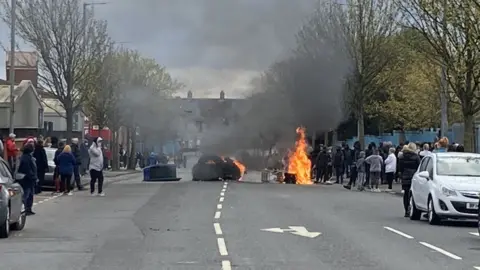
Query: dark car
x=12 y=210
x=215 y=168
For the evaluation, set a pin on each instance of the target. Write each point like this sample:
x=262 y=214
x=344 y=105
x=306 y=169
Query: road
x=202 y=225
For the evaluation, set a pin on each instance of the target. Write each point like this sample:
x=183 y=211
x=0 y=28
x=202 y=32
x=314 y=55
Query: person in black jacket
x=355 y=154
x=321 y=165
x=408 y=165
x=78 y=159
x=41 y=161
x=338 y=164
x=28 y=168
x=56 y=173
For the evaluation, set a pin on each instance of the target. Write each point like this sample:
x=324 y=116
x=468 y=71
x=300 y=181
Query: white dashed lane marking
x=398 y=232
x=222 y=194
x=219 y=206
x=439 y=250
x=46 y=200
x=226 y=265
x=218 y=229
x=474 y=233
x=217 y=214
x=222 y=247
x=221 y=199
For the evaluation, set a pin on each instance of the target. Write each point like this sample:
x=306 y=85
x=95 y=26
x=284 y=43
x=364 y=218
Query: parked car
x=215 y=168
x=12 y=210
x=446 y=186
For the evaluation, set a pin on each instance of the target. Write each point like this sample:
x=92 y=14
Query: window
x=423 y=165
x=429 y=168
x=458 y=165
x=75 y=121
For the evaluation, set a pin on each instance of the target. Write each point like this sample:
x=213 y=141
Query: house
x=55 y=122
x=28 y=117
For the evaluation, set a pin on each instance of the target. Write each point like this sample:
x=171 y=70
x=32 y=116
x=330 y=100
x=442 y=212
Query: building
x=55 y=123
x=195 y=116
x=28 y=117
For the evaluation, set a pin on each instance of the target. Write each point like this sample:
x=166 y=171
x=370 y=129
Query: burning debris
x=299 y=163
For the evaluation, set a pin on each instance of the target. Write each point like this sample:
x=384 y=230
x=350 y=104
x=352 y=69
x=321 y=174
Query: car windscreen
x=458 y=166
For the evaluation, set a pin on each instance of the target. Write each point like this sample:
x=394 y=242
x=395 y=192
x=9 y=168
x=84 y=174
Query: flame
x=298 y=162
x=240 y=166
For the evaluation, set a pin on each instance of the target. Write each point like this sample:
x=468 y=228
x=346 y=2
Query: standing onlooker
x=376 y=162
x=66 y=163
x=96 y=166
x=28 y=169
x=408 y=165
x=321 y=164
x=85 y=157
x=347 y=154
x=425 y=151
x=390 y=167
x=12 y=151
x=41 y=161
x=442 y=145
x=78 y=161
x=338 y=163
x=360 y=170
x=56 y=173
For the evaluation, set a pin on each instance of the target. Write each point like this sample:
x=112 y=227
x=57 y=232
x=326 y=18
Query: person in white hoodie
x=390 y=167
x=96 y=166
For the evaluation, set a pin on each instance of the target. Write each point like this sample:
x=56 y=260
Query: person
x=66 y=163
x=460 y=148
x=96 y=166
x=338 y=163
x=408 y=165
x=28 y=169
x=78 y=161
x=360 y=171
x=321 y=164
x=376 y=162
x=442 y=145
x=390 y=167
x=41 y=161
x=56 y=173
x=84 y=153
x=347 y=153
x=425 y=151
x=12 y=151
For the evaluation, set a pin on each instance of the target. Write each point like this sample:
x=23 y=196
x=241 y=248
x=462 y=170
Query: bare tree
x=365 y=27
x=65 y=45
x=452 y=30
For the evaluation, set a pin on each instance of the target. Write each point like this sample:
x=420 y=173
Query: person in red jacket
x=12 y=151
x=29 y=140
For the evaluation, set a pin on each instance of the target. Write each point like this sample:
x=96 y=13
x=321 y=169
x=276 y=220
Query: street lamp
x=12 y=64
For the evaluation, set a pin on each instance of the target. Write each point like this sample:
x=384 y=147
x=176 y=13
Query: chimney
x=26 y=67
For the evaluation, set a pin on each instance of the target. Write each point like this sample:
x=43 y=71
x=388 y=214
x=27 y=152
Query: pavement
x=234 y=225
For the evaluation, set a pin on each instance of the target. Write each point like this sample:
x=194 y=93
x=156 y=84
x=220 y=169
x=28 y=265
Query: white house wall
x=4 y=117
x=60 y=123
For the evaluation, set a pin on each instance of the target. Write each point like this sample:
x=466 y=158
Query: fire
x=299 y=163
x=240 y=166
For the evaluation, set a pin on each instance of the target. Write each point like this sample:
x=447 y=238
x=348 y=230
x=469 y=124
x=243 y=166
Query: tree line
x=374 y=63
x=82 y=67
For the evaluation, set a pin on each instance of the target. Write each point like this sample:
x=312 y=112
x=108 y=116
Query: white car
x=446 y=186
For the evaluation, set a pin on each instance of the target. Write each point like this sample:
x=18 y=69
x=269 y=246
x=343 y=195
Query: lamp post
x=12 y=65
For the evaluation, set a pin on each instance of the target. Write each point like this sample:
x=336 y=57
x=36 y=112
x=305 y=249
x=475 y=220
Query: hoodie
x=96 y=155
x=375 y=162
x=27 y=166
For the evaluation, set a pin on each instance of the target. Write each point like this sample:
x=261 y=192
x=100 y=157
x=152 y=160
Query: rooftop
x=23 y=59
x=19 y=91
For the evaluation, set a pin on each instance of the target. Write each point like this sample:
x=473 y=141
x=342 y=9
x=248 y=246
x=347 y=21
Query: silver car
x=12 y=210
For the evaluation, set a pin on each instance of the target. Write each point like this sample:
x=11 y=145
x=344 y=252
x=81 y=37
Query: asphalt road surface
x=210 y=225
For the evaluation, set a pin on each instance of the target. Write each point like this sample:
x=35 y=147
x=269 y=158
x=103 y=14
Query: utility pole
x=12 y=65
x=444 y=84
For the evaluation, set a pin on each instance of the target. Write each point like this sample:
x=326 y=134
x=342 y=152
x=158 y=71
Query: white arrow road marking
x=296 y=230
x=302 y=231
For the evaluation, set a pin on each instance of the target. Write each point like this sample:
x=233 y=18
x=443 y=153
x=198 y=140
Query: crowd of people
x=375 y=165
x=29 y=164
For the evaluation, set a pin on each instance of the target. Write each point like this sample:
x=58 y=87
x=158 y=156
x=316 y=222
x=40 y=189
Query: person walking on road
x=408 y=165
x=390 y=167
x=28 y=169
x=96 y=166
x=78 y=162
x=41 y=161
x=376 y=162
x=66 y=163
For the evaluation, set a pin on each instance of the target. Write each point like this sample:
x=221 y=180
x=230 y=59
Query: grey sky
x=208 y=44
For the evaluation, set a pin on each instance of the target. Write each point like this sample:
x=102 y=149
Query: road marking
x=218 y=229
x=223 y=190
x=226 y=265
x=222 y=194
x=477 y=267
x=222 y=247
x=222 y=199
x=474 y=233
x=296 y=230
x=444 y=252
x=35 y=203
x=399 y=232
x=217 y=214
x=219 y=206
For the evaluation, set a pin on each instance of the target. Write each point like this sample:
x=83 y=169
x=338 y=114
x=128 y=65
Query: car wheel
x=20 y=224
x=433 y=218
x=5 y=226
x=415 y=214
